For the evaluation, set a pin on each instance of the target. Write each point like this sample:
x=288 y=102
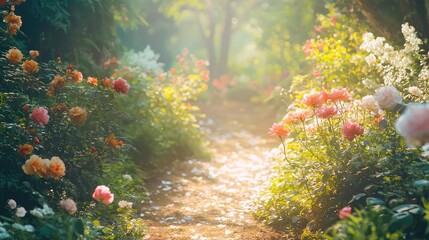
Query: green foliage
x=333 y=56
x=71 y=29
x=161 y=106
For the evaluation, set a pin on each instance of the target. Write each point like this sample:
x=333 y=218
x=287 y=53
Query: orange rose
x=30 y=66
x=78 y=115
x=107 y=83
x=93 y=81
x=56 y=168
x=14 y=56
x=76 y=76
x=34 y=54
x=58 y=81
x=25 y=149
x=111 y=140
x=36 y=165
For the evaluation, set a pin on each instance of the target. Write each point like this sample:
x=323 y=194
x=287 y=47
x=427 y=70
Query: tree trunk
x=222 y=65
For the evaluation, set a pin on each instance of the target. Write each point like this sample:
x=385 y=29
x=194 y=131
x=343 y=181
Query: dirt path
x=198 y=199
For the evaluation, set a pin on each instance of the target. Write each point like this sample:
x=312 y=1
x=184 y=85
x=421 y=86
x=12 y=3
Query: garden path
x=200 y=199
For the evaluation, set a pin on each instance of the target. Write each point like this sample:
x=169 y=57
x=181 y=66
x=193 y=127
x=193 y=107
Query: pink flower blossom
x=345 y=212
x=103 y=194
x=121 y=86
x=278 y=130
x=413 y=124
x=69 y=205
x=40 y=115
x=351 y=130
x=313 y=100
x=387 y=97
x=11 y=203
x=297 y=116
x=339 y=95
x=326 y=111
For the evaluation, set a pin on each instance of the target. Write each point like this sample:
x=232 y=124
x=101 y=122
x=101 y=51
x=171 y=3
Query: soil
x=211 y=198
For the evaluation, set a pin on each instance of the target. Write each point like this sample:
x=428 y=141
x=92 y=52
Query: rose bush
x=53 y=127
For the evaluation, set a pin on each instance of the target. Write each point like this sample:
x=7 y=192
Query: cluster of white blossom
x=147 y=60
x=397 y=67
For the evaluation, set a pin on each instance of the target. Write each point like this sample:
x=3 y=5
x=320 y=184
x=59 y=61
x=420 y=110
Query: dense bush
x=161 y=104
x=50 y=111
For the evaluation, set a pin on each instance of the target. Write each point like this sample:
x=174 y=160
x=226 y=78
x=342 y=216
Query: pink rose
x=40 y=115
x=278 y=130
x=339 y=95
x=345 y=212
x=326 y=111
x=121 y=86
x=69 y=205
x=351 y=130
x=314 y=99
x=413 y=124
x=103 y=194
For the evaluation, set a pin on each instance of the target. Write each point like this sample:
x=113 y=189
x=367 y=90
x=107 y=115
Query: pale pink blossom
x=415 y=91
x=103 y=194
x=387 y=97
x=413 y=124
x=40 y=115
x=352 y=130
x=11 y=203
x=121 y=86
x=369 y=103
x=345 y=212
x=69 y=205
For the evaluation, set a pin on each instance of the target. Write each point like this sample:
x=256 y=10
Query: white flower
x=11 y=203
x=47 y=210
x=415 y=91
x=37 y=212
x=387 y=97
x=18 y=226
x=29 y=228
x=413 y=124
x=125 y=204
x=370 y=104
x=370 y=59
x=69 y=205
x=127 y=177
x=20 y=212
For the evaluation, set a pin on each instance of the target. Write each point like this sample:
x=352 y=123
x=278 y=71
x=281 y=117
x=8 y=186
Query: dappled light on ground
x=211 y=199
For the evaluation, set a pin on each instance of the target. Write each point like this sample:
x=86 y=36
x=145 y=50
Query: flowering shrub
x=344 y=158
x=53 y=128
x=160 y=104
x=337 y=147
x=333 y=56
